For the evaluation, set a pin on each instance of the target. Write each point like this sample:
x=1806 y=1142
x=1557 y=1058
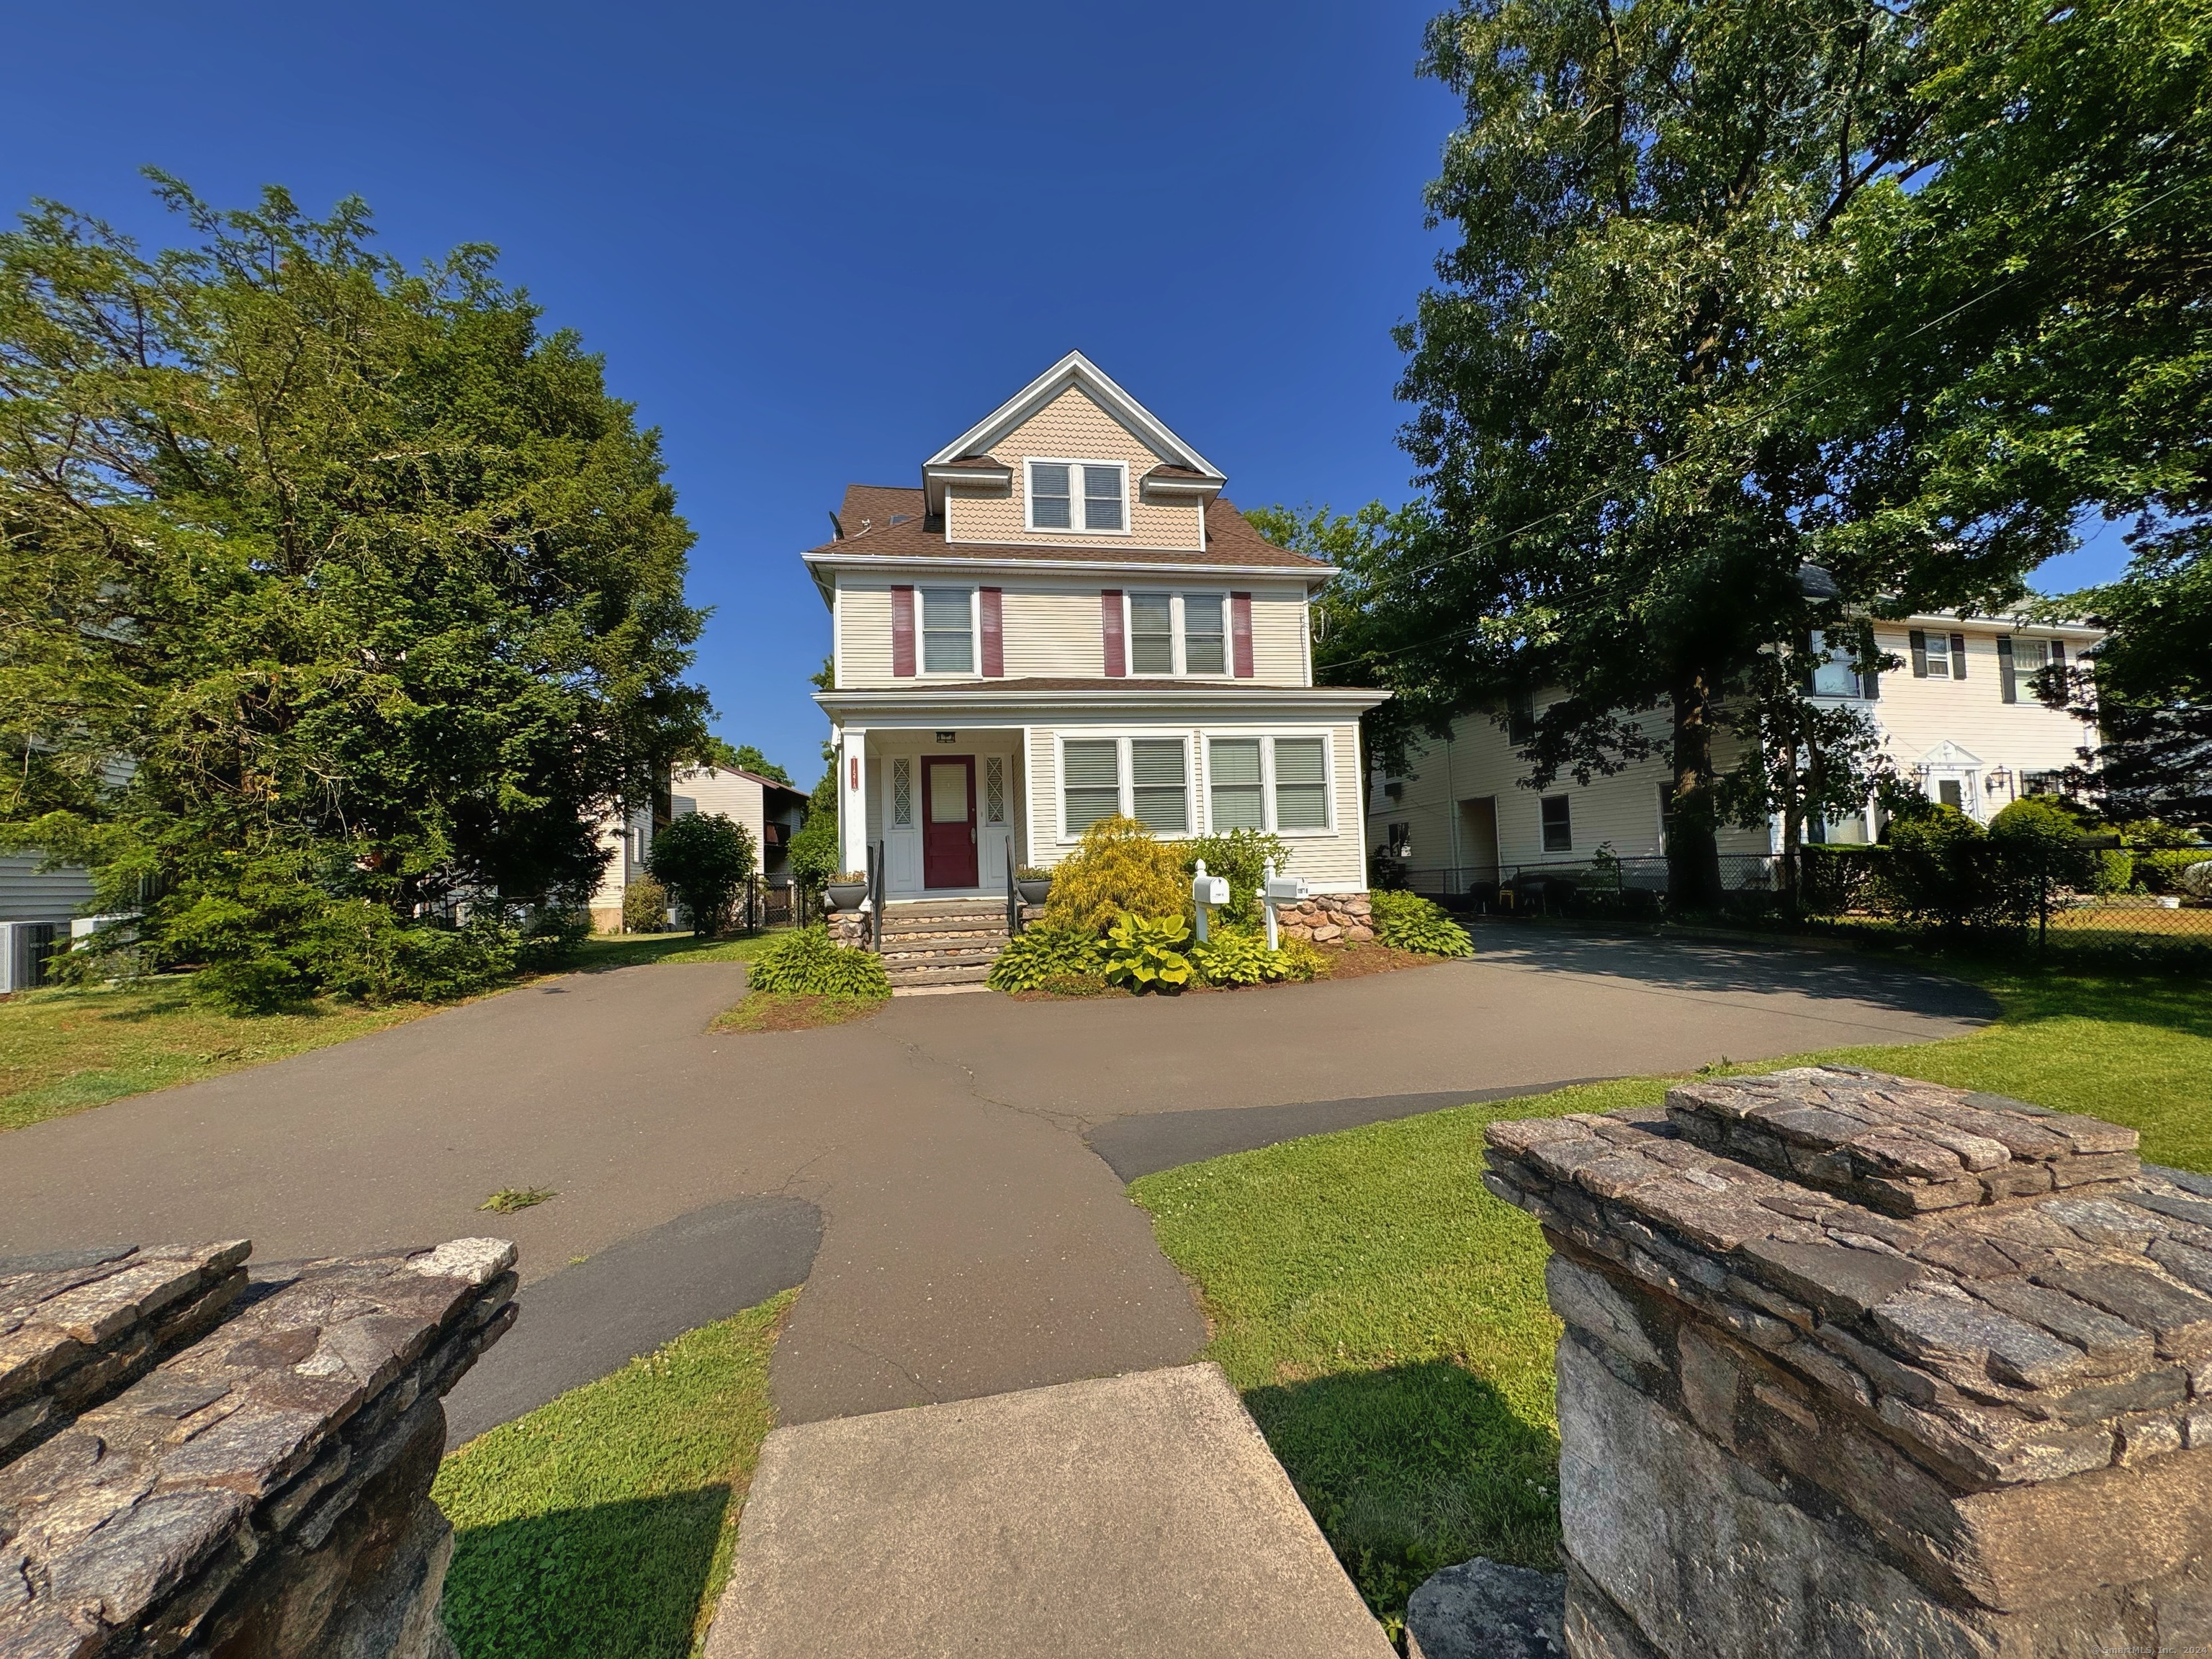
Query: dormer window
x=1078 y=495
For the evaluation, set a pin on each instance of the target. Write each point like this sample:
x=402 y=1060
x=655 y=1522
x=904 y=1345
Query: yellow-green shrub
x=1120 y=870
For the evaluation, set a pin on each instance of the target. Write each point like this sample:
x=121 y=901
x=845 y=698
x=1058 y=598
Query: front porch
x=948 y=808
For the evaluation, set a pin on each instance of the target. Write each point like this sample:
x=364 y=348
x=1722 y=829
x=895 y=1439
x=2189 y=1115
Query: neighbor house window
x=1835 y=677
x=1152 y=634
x=948 y=630
x=1160 y=793
x=1558 y=824
x=1270 y=783
x=1090 y=781
x=1056 y=487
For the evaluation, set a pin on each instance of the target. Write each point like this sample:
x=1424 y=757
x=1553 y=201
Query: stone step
x=907 y=944
x=898 y=954
x=965 y=921
x=904 y=976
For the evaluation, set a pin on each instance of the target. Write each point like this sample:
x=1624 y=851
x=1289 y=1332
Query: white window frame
x=1029 y=463
x=921 y=668
x=1125 y=776
x=1207 y=737
x=1179 y=633
x=1838 y=650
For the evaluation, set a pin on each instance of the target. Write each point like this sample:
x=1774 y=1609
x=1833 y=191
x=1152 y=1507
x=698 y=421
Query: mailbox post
x=1279 y=889
x=1206 y=892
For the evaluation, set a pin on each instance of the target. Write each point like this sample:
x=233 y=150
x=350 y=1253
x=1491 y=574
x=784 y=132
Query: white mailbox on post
x=1287 y=889
x=1206 y=892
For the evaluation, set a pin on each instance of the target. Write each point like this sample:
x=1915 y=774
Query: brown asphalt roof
x=1209 y=687
x=1178 y=473
x=869 y=510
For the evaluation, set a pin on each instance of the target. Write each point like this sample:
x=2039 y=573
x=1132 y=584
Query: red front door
x=948 y=820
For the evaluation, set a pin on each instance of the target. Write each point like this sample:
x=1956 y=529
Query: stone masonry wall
x=1944 y=1388
x=260 y=1493
x=1328 y=919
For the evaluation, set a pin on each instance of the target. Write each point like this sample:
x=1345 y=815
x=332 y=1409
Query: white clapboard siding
x=2025 y=736
x=1331 y=861
x=1051 y=627
x=30 y=893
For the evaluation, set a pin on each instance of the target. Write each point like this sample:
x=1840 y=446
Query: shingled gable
x=888 y=521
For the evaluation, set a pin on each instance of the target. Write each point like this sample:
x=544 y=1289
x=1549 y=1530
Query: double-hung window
x=1078 y=494
x=1152 y=634
x=1558 y=824
x=948 y=630
x=1835 y=677
x=1147 y=778
x=1268 y=783
x=1174 y=634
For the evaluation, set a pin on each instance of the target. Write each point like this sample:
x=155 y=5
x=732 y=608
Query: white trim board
x=1074 y=369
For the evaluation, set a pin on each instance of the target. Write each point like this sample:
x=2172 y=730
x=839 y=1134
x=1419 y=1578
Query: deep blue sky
x=814 y=243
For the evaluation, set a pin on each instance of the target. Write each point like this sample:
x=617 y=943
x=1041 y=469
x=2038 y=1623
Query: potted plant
x=1033 y=883
x=846 y=888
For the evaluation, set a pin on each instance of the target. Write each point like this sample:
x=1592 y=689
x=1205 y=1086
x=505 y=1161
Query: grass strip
x=793 y=1011
x=602 y=1524
x=1385 y=1318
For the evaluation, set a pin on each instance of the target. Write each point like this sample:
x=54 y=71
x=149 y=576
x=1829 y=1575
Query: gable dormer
x=1071 y=459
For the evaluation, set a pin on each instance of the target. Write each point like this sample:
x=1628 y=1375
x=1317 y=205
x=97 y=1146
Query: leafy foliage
x=1120 y=869
x=705 y=859
x=1146 y=953
x=1242 y=856
x=806 y=961
x=333 y=596
x=1239 y=955
x=813 y=853
x=2161 y=872
x=1409 y=922
x=1041 y=954
x=644 y=906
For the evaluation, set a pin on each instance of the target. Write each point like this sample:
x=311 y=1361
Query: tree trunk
x=1693 y=856
x=1793 y=818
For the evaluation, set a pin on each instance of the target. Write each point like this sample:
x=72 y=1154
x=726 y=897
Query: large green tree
x=1621 y=507
x=333 y=594
x=2026 y=337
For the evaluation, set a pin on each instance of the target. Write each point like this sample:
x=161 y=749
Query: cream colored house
x=1962 y=719
x=773 y=811
x=1066 y=620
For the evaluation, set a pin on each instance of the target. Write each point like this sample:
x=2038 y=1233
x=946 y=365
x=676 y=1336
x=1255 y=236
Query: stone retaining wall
x=261 y=1492
x=1944 y=1388
x=1328 y=919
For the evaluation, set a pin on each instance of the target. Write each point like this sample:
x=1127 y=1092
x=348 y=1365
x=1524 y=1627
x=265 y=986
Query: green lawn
x=601 y=1525
x=1385 y=1316
x=65 y=1051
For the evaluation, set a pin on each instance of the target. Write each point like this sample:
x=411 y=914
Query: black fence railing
x=2088 y=892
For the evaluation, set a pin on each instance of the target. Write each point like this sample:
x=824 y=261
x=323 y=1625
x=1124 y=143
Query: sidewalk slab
x=1128 y=1517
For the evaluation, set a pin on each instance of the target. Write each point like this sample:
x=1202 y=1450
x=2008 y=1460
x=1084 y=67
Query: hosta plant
x=1411 y=922
x=1037 y=956
x=1146 y=953
x=808 y=963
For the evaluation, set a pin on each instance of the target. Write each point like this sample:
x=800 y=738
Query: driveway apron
x=971 y=1242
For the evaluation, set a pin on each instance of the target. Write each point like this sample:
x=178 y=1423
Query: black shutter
x=1871 y=685
x=2008 y=680
x=1919 y=655
x=1958 y=656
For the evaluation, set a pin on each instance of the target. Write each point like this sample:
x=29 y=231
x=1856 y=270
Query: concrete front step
x=1128 y=1517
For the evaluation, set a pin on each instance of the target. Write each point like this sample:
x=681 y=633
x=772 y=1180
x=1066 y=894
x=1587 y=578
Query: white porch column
x=853 y=801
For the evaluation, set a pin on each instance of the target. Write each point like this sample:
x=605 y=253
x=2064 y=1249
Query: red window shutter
x=901 y=631
x=1240 y=634
x=995 y=644
x=1109 y=620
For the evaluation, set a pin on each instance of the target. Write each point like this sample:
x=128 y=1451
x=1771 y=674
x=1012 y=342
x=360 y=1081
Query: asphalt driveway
x=960 y=1160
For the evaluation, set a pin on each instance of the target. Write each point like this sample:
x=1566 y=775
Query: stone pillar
x=263 y=1491
x=1861 y=1368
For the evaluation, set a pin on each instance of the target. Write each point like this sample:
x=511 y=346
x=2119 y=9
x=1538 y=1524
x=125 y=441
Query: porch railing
x=1013 y=894
x=877 y=861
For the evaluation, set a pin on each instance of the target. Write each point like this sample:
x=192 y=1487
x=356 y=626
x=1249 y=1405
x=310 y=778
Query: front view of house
x=1064 y=621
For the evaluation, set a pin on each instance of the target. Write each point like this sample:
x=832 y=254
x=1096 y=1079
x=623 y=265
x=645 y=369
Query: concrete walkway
x=971 y=1242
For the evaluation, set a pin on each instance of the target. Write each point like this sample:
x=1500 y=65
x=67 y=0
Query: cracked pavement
x=972 y=1242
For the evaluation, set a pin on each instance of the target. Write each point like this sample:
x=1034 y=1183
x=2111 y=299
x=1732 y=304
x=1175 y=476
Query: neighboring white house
x=30 y=893
x=773 y=811
x=1962 y=721
x=1066 y=620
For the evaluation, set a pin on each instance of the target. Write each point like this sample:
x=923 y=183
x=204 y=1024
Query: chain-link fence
x=2087 y=893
